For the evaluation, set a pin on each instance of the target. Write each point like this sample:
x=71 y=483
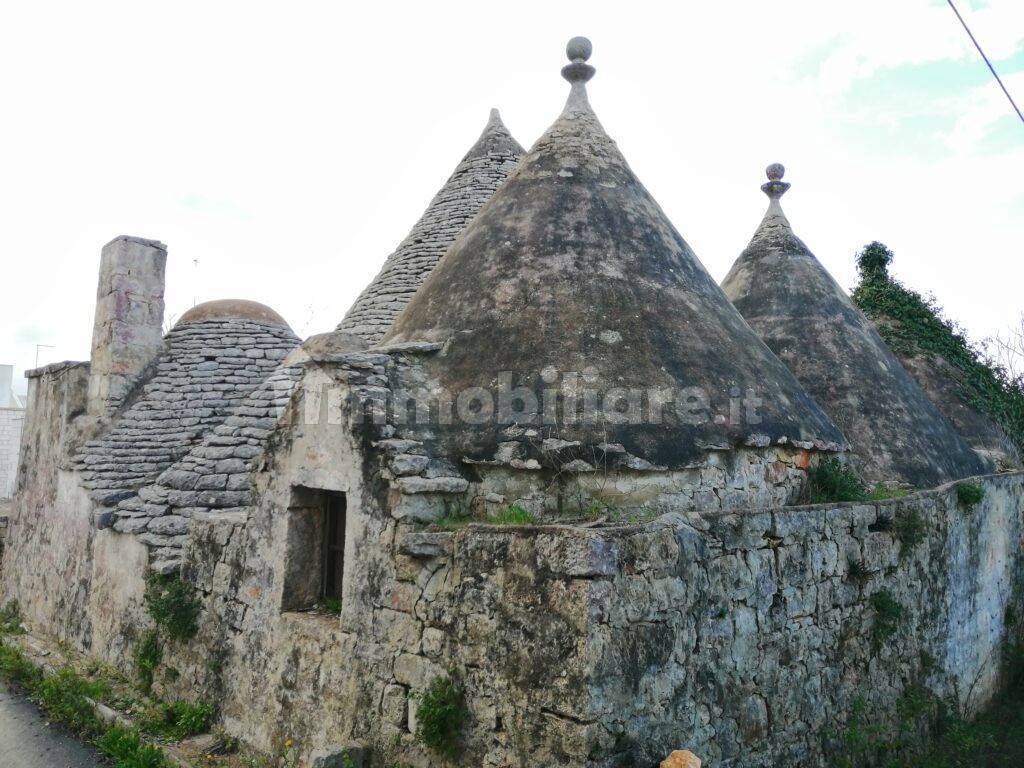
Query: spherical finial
x=578 y=72
x=579 y=49
x=775 y=172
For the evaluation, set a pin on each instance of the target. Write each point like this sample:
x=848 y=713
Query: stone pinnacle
x=578 y=50
x=776 y=187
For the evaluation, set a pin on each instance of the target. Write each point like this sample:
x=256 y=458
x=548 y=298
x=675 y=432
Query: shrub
x=833 y=481
x=148 y=655
x=888 y=613
x=969 y=494
x=440 y=716
x=173 y=605
x=128 y=750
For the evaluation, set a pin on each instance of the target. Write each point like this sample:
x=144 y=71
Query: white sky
x=282 y=150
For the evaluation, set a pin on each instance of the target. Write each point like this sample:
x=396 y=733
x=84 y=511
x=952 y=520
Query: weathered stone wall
x=46 y=557
x=11 y=421
x=748 y=637
x=743 y=635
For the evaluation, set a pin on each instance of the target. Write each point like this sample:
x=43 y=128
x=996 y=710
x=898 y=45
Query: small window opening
x=334 y=546
x=314 y=564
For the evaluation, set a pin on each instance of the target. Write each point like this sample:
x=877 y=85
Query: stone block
x=408 y=464
x=681 y=758
x=340 y=756
x=427 y=544
x=432 y=485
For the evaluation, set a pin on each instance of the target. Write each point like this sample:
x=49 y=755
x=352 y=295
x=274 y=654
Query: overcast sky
x=282 y=150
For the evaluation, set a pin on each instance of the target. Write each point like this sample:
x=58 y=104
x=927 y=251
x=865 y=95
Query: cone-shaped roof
x=572 y=265
x=487 y=164
x=788 y=297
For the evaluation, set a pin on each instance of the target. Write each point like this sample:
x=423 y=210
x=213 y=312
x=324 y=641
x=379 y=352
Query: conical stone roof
x=788 y=297
x=487 y=164
x=572 y=267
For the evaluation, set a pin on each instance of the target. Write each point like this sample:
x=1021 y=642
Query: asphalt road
x=26 y=741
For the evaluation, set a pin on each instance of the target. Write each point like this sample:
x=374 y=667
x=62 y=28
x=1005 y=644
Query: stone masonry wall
x=748 y=637
x=744 y=635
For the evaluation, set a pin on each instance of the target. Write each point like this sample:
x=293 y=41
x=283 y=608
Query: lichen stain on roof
x=487 y=164
x=792 y=302
x=570 y=253
x=231 y=309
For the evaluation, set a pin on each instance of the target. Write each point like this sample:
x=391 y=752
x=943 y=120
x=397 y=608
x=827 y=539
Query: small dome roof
x=232 y=309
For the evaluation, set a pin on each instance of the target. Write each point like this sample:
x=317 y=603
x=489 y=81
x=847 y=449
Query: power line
x=989 y=63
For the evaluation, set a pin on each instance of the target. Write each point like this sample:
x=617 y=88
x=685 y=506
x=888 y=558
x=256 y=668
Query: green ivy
x=914 y=325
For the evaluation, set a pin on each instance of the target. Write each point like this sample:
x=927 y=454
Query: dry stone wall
x=745 y=636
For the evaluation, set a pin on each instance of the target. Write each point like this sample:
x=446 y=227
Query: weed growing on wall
x=857 y=571
x=440 y=716
x=512 y=514
x=969 y=494
x=10 y=619
x=926 y=732
x=331 y=605
x=174 y=606
x=832 y=481
x=915 y=326
x=909 y=529
x=888 y=613
x=148 y=655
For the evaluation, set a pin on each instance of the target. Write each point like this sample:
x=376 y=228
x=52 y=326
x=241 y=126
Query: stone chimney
x=128 y=331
